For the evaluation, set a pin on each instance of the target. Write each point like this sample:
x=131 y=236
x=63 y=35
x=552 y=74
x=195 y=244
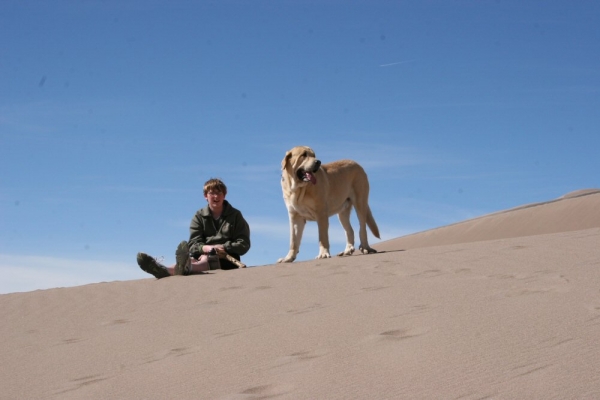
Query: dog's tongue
x=310 y=177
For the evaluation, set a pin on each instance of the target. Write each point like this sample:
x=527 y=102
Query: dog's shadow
x=378 y=252
x=391 y=251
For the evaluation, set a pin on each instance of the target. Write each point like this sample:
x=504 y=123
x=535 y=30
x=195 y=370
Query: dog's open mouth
x=307 y=176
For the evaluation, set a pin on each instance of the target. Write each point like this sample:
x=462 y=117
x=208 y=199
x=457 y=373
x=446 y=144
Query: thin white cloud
x=265 y=230
x=396 y=63
x=370 y=155
x=47 y=117
x=22 y=273
x=140 y=189
x=375 y=155
x=269 y=227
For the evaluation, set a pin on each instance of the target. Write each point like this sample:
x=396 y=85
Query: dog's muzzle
x=309 y=176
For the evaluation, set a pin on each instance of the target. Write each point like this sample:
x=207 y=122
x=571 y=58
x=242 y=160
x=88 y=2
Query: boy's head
x=215 y=185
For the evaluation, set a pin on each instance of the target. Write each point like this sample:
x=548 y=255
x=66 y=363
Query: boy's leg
x=200 y=265
x=195 y=266
x=182 y=258
x=151 y=266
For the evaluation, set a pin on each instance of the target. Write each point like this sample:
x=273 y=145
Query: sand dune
x=506 y=306
x=571 y=212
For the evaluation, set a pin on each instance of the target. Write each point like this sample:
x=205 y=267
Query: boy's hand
x=221 y=251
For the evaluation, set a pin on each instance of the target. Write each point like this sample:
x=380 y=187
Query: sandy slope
x=574 y=211
x=517 y=317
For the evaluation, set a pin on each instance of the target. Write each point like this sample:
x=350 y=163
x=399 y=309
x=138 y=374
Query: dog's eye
x=305 y=154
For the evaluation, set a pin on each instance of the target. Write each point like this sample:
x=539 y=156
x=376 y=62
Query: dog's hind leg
x=364 y=215
x=344 y=217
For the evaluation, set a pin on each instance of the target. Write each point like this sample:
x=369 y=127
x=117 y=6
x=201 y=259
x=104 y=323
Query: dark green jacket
x=233 y=234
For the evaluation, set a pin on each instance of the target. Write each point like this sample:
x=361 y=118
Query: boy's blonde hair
x=215 y=185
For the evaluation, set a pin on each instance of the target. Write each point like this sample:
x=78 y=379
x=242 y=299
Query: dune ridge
x=573 y=211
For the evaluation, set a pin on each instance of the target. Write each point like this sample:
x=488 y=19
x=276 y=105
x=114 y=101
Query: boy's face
x=214 y=198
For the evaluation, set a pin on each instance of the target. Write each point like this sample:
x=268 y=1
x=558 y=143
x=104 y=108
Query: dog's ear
x=285 y=159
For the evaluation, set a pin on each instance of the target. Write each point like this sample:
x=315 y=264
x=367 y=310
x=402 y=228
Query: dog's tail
x=372 y=224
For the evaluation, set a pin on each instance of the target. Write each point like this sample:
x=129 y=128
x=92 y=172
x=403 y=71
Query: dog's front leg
x=323 y=224
x=297 y=224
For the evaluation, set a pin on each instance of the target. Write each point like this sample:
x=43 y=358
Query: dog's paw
x=347 y=252
x=285 y=260
x=289 y=257
x=323 y=255
x=367 y=250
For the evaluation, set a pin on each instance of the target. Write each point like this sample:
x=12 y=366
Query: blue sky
x=114 y=113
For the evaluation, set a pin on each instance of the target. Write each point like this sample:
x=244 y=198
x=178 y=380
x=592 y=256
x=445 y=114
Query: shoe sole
x=151 y=266
x=182 y=258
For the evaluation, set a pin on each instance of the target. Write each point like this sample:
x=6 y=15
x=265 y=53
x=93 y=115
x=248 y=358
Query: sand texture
x=505 y=306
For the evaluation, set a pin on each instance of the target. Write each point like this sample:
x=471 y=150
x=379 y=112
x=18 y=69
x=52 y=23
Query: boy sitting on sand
x=217 y=229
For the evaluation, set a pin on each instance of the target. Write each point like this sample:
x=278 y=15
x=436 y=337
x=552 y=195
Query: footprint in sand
x=297 y=359
x=71 y=340
x=267 y=391
x=401 y=334
x=230 y=288
x=313 y=307
x=374 y=288
x=175 y=352
x=78 y=383
x=116 y=322
x=430 y=273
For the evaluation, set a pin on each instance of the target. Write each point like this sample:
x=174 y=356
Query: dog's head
x=301 y=165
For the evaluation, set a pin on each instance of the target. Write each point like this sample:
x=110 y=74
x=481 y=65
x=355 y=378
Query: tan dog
x=314 y=192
